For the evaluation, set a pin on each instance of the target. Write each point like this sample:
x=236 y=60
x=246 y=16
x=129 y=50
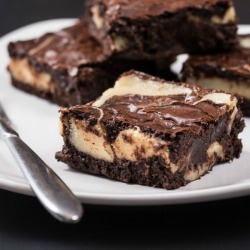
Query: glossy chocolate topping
x=169 y=114
x=66 y=49
x=142 y=9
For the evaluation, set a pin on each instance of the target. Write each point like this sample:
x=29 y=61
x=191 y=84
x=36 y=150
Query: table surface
x=24 y=224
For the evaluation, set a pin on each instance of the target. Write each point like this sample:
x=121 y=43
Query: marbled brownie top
x=134 y=9
x=67 y=49
x=158 y=106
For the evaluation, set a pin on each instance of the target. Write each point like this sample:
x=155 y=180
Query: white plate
x=37 y=123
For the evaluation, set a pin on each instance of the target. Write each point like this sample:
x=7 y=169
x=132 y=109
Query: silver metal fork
x=52 y=192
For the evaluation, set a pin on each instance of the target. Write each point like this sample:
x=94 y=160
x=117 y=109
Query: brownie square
x=152 y=132
x=153 y=29
x=69 y=67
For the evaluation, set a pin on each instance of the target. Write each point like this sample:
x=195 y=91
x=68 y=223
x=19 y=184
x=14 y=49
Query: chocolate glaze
x=169 y=114
x=165 y=114
x=64 y=50
x=142 y=9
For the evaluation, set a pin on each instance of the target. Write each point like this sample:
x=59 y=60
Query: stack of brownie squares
x=75 y=65
x=123 y=117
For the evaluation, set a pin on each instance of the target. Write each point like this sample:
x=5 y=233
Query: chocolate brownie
x=152 y=132
x=157 y=28
x=227 y=71
x=69 y=67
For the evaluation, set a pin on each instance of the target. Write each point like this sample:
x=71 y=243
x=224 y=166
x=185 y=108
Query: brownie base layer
x=149 y=172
